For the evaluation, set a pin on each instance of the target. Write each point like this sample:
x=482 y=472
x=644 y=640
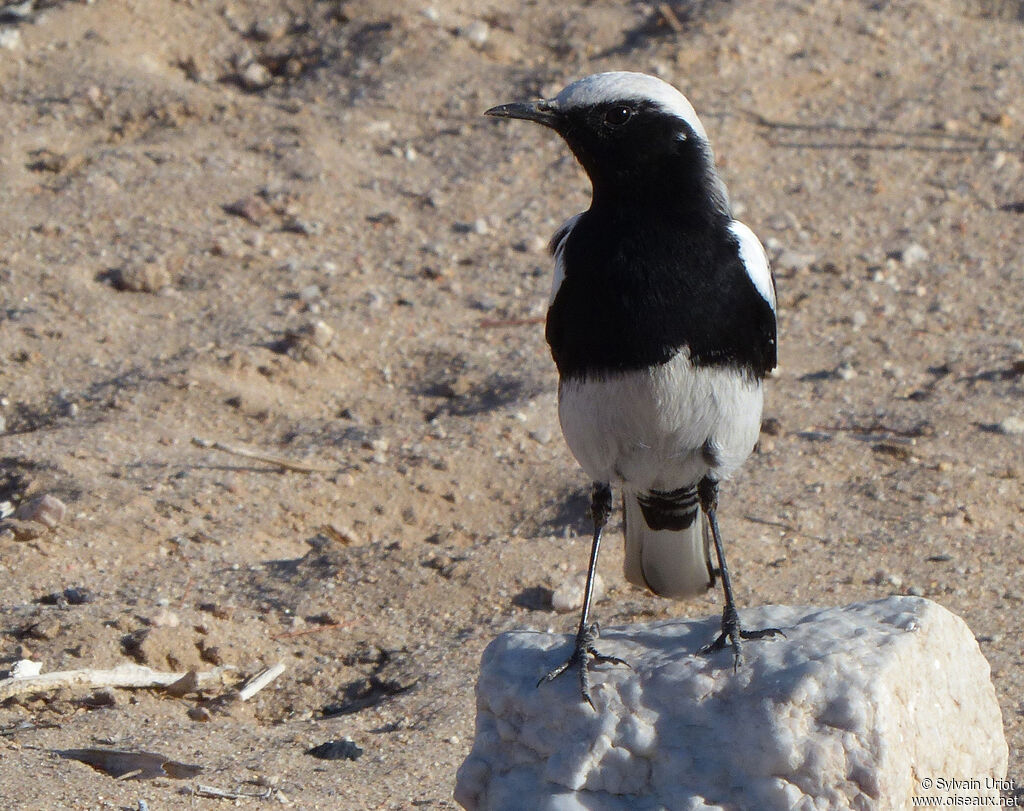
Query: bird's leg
x=586 y=636
x=731 y=633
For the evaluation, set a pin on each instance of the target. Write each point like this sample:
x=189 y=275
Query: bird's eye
x=618 y=115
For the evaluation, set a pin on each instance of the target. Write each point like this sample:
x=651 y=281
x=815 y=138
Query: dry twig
x=670 y=18
x=286 y=464
x=126 y=675
x=220 y=794
x=259 y=681
x=330 y=626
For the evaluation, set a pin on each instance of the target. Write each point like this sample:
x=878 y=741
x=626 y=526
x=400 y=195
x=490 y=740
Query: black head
x=634 y=134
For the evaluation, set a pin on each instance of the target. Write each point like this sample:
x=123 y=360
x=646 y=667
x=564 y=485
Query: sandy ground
x=286 y=226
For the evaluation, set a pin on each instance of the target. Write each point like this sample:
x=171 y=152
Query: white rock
x=165 y=618
x=1012 y=426
x=477 y=32
x=851 y=710
x=320 y=333
x=914 y=254
x=569 y=594
x=10 y=39
x=255 y=76
x=845 y=371
x=26 y=668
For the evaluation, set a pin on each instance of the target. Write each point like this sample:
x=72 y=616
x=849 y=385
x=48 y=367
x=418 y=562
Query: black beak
x=543 y=112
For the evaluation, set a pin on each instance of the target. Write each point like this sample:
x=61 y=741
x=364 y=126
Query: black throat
x=652 y=269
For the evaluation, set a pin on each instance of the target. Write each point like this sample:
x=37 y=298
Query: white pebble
x=10 y=39
x=255 y=76
x=913 y=254
x=1012 y=426
x=165 y=618
x=569 y=595
x=477 y=32
x=845 y=371
x=25 y=668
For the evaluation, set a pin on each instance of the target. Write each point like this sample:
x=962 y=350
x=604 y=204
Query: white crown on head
x=626 y=85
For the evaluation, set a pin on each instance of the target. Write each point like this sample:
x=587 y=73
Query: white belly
x=661 y=428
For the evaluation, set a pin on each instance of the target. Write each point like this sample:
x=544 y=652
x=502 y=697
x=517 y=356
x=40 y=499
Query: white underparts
x=664 y=427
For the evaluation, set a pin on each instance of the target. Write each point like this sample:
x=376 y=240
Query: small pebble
x=794 y=260
x=25 y=668
x=10 y=39
x=913 y=254
x=252 y=208
x=845 y=371
x=72 y=595
x=165 y=619
x=541 y=436
x=344 y=749
x=320 y=334
x=255 y=76
x=458 y=386
x=477 y=32
x=46 y=629
x=46 y=510
x=569 y=595
x=1012 y=426
x=104 y=697
x=23 y=530
x=148 y=277
x=270 y=28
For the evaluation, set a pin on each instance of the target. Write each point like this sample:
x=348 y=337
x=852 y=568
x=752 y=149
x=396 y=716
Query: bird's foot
x=584 y=653
x=732 y=634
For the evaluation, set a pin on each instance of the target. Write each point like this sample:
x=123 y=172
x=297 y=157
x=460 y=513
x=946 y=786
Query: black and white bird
x=662 y=326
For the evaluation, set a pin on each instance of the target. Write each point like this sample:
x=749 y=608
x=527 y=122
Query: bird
x=662 y=326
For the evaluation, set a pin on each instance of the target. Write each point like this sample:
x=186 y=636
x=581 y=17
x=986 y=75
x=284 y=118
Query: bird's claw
x=583 y=654
x=732 y=634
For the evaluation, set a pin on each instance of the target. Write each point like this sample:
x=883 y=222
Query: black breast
x=639 y=287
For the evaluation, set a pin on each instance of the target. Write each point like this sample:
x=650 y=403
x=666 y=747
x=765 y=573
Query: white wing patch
x=755 y=260
x=557 y=248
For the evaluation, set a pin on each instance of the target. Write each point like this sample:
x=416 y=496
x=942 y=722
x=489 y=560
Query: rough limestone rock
x=852 y=710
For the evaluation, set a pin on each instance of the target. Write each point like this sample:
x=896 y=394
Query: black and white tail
x=667 y=543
